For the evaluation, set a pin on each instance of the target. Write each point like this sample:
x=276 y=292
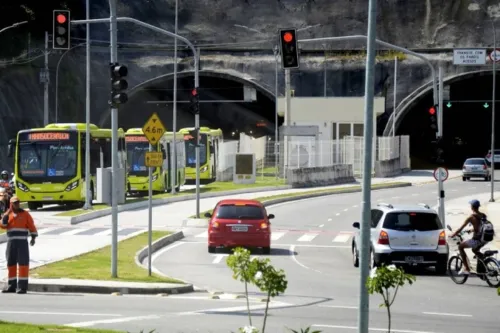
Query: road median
x=281 y=198
x=212 y=190
x=72 y=275
x=10 y=327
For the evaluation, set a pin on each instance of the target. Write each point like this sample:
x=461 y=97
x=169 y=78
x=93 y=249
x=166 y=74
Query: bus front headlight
x=204 y=169
x=72 y=186
x=22 y=187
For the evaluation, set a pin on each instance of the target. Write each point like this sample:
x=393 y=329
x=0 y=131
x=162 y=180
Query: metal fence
x=273 y=159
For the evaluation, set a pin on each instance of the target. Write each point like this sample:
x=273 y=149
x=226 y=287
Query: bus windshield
x=48 y=156
x=191 y=150
x=137 y=146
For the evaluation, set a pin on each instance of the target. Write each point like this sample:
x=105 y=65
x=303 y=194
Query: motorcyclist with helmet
x=5 y=183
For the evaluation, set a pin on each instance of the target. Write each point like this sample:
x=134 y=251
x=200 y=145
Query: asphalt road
x=312 y=244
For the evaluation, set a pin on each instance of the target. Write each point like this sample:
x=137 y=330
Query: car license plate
x=48 y=198
x=239 y=228
x=414 y=260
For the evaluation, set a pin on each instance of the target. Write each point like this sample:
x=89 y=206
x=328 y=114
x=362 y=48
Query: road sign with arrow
x=153 y=129
x=154 y=159
x=486 y=105
x=449 y=104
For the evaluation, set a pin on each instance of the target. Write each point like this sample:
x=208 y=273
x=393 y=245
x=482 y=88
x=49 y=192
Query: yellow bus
x=49 y=162
x=209 y=150
x=137 y=175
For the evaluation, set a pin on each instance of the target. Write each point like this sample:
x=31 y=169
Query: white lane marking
x=105 y=232
x=415 y=194
x=237 y=308
x=370 y=329
x=345 y=210
x=277 y=235
x=73 y=232
x=63 y=313
x=380 y=200
x=218 y=258
x=275 y=245
x=321 y=225
x=45 y=230
x=294 y=258
x=474 y=187
x=341 y=238
x=112 y=321
x=204 y=234
x=447 y=314
x=339 y=307
x=337 y=214
x=395 y=197
x=354 y=206
x=452 y=190
x=307 y=237
x=156 y=255
x=329 y=220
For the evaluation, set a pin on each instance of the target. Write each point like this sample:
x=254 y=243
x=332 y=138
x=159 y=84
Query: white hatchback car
x=404 y=235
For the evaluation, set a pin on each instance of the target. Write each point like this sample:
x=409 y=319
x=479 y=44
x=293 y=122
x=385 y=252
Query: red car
x=239 y=222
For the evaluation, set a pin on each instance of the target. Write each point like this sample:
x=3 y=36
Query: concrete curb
x=168 y=288
x=157 y=202
x=434 y=181
x=3 y=238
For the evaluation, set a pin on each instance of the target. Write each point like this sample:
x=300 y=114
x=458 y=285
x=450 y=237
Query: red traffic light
x=288 y=37
x=432 y=111
x=194 y=92
x=61 y=19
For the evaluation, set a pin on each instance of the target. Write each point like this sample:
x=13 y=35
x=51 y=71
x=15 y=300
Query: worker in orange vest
x=19 y=225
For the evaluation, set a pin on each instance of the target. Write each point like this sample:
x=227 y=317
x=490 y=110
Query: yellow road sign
x=153 y=129
x=154 y=159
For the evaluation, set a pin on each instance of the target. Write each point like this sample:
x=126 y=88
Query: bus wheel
x=32 y=206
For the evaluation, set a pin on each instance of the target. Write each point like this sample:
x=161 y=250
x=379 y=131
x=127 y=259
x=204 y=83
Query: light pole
x=493 y=58
x=13 y=26
x=57 y=75
x=173 y=176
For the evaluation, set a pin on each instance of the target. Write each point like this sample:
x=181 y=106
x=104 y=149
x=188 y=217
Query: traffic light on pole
x=118 y=84
x=433 y=117
x=289 y=49
x=61 y=36
x=194 y=106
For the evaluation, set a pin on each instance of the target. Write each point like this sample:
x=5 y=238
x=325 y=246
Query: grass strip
x=299 y=194
x=9 y=327
x=95 y=264
x=209 y=188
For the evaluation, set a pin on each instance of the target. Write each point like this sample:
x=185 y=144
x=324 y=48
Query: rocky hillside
x=409 y=23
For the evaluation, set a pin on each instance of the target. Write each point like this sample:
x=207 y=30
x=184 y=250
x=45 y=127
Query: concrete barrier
x=388 y=168
x=320 y=176
x=225 y=175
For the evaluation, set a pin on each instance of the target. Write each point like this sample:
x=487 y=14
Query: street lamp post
x=13 y=26
x=493 y=98
x=57 y=76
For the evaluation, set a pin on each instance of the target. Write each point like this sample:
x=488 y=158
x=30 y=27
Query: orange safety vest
x=19 y=225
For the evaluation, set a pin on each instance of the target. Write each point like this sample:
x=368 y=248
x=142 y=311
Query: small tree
x=383 y=280
x=244 y=270
x=270 y=280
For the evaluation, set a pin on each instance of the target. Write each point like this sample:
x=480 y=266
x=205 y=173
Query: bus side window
x=95 y=157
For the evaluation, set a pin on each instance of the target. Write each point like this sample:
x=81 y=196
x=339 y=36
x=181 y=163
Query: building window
x=358 y=130
x=344 y=130
x=334 y=131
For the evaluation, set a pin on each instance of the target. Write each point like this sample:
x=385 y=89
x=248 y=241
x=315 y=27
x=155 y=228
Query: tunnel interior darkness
x=466 y=123
x=255 y=118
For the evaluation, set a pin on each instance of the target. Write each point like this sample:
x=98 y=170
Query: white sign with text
x=469 y=57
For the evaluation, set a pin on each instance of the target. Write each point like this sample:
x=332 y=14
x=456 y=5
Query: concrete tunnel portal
x=466 y=121
x=466 y=118
x=222 y=104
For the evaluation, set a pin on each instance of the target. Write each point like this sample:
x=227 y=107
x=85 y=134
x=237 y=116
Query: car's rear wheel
x=441 y=267
x=464 y=179
x=266 y=250
x=355 y=255
x=211 y=249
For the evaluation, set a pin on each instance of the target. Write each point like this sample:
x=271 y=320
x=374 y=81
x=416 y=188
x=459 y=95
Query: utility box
x=103 y=185
x=244 y=169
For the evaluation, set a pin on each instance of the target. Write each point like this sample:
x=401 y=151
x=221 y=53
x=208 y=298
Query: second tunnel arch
x=425 y=91
x=240 y=78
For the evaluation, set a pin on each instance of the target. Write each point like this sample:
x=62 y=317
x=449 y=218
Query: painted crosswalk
x=93 y=232
x=299 y=236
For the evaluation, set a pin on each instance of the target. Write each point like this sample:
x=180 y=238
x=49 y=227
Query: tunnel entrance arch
x=466 y=121
x=255 y=117
x=423 y=92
